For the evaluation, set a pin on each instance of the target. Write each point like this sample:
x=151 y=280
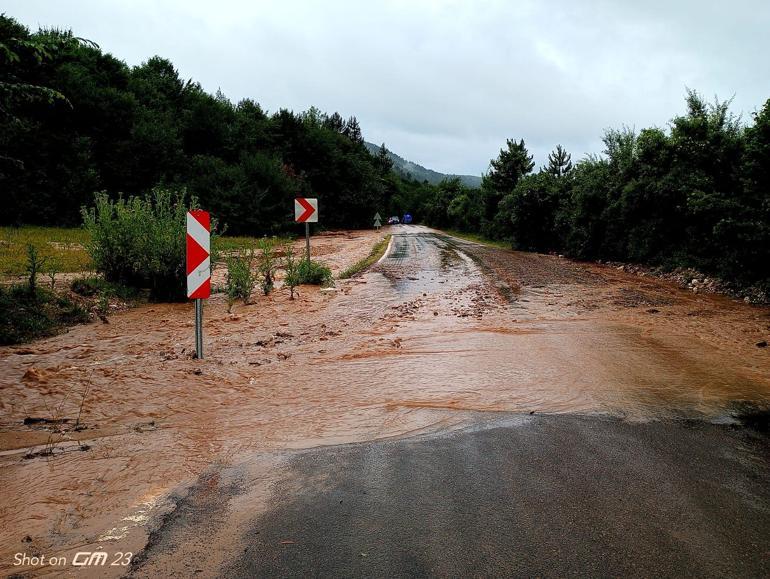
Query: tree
x=559 y=162
x=352 y=130
x=511 y=165
x=382 y=161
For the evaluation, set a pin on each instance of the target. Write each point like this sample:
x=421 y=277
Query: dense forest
x=76 y=121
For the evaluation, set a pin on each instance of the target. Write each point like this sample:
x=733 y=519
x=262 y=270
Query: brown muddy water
x=438 y=330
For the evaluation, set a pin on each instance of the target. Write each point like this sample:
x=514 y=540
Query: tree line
x=75 y=121
x=694 y=195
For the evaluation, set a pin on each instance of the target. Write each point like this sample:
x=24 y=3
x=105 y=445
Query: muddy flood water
x=438 y=330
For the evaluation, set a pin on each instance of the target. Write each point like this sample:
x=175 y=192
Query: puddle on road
x=403 y=349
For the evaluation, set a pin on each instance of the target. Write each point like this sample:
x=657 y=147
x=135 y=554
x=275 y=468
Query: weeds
x=314 y=273
x=267 y=264
x=25 y=316
x=291 y=267
x=376 y=253
x=53 y=268
x=241 y=280
x=34 y=265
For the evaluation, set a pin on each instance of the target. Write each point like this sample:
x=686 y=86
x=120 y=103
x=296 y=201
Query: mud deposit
x=438 y=329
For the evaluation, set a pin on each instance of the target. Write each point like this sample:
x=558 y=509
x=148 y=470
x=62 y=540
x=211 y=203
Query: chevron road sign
x=305 y=210
x=198 y=268
x=198 y=250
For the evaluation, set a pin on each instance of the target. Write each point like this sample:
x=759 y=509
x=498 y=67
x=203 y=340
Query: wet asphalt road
x=515 y=495
x=551 y=496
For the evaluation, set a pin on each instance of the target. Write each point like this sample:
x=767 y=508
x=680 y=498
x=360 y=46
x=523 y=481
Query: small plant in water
x=267 y=264
x=241 y=280
x=291 y=267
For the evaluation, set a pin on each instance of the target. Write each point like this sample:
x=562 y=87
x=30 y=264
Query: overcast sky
x=445 y=83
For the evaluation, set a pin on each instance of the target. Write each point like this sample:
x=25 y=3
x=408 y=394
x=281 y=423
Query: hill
x=420 y=173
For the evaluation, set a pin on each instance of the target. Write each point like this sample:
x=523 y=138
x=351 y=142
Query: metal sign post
x=377 y=223
x=306 y=211
x=198 y=268
x=199 y=328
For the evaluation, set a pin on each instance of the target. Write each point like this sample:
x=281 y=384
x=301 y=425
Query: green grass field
x=63 y=249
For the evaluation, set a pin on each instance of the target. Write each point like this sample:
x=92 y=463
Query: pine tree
x=511 y=165
x=559 y=162
x=352 y=130
x=382 y=160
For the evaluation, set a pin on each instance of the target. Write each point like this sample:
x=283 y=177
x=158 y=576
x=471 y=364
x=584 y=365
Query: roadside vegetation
x=377 y=252
x=63 y=249
x=29 y=310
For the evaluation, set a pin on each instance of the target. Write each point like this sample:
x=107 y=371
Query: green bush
x=291 y=267
x=313 y=273
x=93 y=285
x=140 y=242
x=267 y=263
x=241 y=280
x=26 y=315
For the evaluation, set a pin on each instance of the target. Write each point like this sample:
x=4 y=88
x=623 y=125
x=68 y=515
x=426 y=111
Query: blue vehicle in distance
x=407 y=218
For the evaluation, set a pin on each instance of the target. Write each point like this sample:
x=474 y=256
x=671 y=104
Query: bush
x=140 y=242
x=240 y=278
x=26 y=315
x=291 y=267
x=313 y=273
x=267 y=264
x=92 y=286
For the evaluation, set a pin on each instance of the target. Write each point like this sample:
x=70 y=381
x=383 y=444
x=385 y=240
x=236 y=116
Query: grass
x=478 y=238
x=65 y=248
x=62 y=249
x=227 y=244
x=377 y=251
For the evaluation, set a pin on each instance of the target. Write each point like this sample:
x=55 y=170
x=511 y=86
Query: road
x=516 y=415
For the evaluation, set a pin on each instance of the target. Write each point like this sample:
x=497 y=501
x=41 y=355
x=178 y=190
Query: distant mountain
x=420 y=173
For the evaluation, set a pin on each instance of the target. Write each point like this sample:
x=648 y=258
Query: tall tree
x=559 y=162
x=512 y=164
x=352 y=131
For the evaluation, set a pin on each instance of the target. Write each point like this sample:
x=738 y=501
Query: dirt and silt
x=438 y=331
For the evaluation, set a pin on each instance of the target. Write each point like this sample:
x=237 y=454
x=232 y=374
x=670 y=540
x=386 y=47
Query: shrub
x=267 y=264
x=140 y=242
x=314 y=273
x=25 y=315
x=91 y=286
x=241 y=280
x=291 y=267
x=34 y=265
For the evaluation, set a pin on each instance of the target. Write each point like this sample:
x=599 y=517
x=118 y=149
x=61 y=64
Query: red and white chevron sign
x=305 y=210
x=198 y=254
